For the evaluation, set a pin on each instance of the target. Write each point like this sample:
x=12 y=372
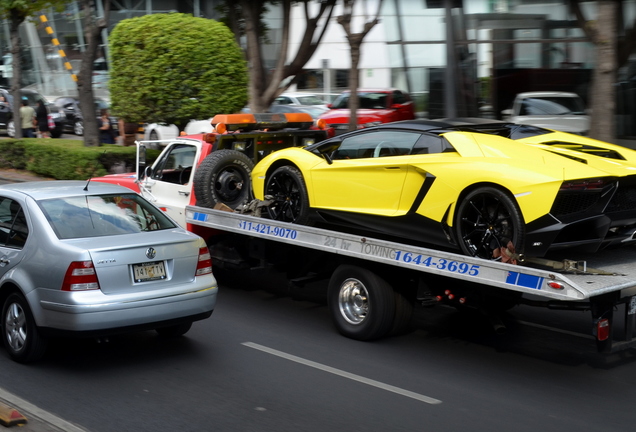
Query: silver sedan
x=93 y=259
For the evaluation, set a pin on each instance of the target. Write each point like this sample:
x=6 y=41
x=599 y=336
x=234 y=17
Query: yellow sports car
x=473 y=187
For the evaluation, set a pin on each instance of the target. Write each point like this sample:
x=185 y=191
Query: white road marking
x=378 y=384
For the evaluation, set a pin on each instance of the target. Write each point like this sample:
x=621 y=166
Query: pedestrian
x=106 y=135
x=42 y=120
x=27 y=117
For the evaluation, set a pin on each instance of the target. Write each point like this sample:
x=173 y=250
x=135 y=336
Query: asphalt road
x=267 y=362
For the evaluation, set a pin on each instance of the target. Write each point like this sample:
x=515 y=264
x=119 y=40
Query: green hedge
x=64 y=159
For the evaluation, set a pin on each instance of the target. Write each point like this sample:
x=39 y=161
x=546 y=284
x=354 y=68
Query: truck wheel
x=19 y=332
x=362 y=304
x=487 y=219
x=403 y=315
x=223 y=177
x=291 y=203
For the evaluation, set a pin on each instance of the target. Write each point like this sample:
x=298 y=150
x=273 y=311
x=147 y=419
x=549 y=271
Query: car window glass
x=13 y=226
x=176 y=165
x=376 y=144
x=551 y=106
x=398 y=97
x=103 y=215
x=430 y=144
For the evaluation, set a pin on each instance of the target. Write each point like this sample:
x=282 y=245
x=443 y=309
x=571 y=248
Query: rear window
x=103 y=215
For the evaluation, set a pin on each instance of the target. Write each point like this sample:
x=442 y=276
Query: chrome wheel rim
x=353 y=301
x=16 y=327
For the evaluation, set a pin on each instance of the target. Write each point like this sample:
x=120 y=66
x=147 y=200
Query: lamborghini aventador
x=476 y=187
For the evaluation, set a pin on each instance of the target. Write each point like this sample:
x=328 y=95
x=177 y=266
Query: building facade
x=456 y=58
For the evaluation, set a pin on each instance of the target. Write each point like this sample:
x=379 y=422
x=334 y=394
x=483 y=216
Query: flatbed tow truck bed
x=597 y=282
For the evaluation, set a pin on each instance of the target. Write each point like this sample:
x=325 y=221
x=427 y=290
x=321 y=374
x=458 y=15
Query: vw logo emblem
x=151 y=253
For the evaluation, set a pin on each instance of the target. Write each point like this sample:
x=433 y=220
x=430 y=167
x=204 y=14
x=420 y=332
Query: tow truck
x=206 y=169
x=372 y=284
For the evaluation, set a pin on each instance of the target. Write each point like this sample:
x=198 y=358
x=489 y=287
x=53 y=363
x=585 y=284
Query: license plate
x=149 y=271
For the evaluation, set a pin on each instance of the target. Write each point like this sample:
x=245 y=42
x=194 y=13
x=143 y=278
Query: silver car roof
x=63 y=188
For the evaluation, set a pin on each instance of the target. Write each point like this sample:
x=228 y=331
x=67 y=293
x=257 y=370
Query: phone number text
x=268 y=230
x=441 y=263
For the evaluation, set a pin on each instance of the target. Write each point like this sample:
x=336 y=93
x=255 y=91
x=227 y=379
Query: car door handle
x=4 y=261
x=184 y=193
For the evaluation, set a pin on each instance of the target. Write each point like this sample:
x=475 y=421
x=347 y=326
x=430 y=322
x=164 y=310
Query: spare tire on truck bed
x=223 y=177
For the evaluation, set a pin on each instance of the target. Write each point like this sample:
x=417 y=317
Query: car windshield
x=310 y=100
x=367 y=100
x=103 y=215
x=552 y=106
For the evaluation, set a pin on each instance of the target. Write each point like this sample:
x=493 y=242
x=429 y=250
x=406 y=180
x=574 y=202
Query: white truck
x=372 y=284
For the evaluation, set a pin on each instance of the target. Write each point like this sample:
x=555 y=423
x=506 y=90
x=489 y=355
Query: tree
x=355 y=42
x=174 y=67
x=17 y=11
x=92 y=27
x=266 y=84
x=612 y=52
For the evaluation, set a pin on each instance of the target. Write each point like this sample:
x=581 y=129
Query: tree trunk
x=14 y=24
x=92 y=27
x=354 y=82
x=603 y=93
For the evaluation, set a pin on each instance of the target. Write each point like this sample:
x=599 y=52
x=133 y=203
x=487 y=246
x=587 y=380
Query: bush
x=67 y=159
x=174 y=67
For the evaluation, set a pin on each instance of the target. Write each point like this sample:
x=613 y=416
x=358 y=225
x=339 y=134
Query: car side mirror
x=329 y=106
x=396 y=106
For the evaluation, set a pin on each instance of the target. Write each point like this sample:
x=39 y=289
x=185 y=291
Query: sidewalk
x=37 y=420
x=16 y=176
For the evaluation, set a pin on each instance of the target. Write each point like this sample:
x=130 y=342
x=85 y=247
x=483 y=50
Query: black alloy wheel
x=487 y=220
x=287 y=188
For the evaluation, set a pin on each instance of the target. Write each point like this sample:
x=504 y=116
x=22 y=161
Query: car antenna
x=86 y=187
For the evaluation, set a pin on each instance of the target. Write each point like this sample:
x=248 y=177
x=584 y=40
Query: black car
x=74 y=120
x=6 y=111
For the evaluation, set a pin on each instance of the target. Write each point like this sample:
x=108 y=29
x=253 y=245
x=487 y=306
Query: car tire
x=287 y=188
x=153 y=136
x=223 y=178
x=11 y=129
x=174 y=331
x=55 y=133
x=19 y=332
x=487 y=220
x=78 y=128
x=361 y=303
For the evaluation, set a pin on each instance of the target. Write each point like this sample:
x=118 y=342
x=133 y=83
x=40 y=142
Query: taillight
x=80 y=276
x=204 y=265
x=584 y=184
x=602 y=329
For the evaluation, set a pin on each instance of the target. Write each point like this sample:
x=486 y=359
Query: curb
x=35 y=418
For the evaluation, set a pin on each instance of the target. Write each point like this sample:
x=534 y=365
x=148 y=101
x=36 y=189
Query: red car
x=376 y=107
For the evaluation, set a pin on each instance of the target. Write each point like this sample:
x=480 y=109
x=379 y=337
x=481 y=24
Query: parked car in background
x=560 y=111
x=301 y=99
x=376 y=107
x=160 y=131
x=314 y=111
x=92 y=260
x=6 y=111
x=74 y=119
